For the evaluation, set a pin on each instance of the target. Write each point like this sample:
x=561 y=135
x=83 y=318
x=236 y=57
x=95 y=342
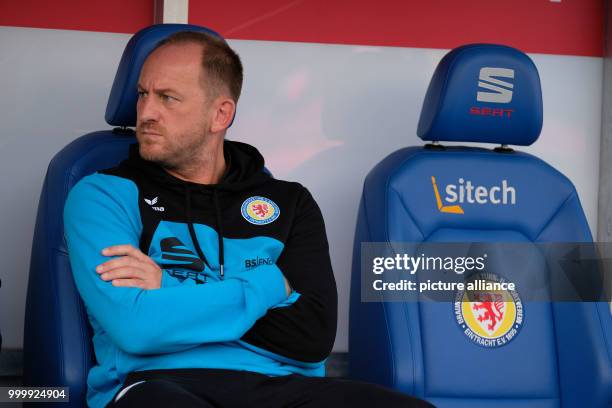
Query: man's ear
x=223 y=113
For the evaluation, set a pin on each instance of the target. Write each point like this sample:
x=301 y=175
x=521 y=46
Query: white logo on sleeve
x=152 y=202
x=498 y=91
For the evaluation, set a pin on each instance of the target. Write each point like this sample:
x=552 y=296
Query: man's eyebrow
x=164 y=90
x=158 y=91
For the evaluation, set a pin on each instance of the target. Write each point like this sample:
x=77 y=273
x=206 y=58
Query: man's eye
x=141 y=94
x=167 y=98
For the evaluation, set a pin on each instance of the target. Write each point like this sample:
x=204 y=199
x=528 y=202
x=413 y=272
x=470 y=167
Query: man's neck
x=207 y=167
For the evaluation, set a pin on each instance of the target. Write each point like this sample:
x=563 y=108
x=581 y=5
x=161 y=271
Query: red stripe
x=569 y=27
x=115 y=16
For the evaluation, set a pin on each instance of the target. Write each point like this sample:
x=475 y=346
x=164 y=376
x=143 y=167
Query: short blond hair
x=221 y=64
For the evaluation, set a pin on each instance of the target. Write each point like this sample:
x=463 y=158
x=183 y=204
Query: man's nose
x=147 y=109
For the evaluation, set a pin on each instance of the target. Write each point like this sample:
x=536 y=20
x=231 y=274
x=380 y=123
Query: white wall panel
x=54 y=85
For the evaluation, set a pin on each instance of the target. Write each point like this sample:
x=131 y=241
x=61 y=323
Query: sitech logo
x=465 y=192
x=494 y=90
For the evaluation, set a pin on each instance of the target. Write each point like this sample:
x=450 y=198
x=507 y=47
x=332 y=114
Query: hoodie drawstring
x=220 y=232
x=193 y=236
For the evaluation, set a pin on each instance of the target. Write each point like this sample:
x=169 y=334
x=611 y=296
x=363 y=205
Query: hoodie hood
x=244 y=168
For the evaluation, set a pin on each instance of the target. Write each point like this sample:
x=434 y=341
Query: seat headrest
x=121 y=107
x=483 y=93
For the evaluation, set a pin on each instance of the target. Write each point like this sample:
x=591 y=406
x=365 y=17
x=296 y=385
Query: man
x=207 y=282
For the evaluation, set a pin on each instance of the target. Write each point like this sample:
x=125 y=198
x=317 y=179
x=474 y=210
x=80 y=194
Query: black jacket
x=246 y=220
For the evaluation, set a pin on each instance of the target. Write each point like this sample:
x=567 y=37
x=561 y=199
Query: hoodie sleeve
x=305 y=330
x=101 y=211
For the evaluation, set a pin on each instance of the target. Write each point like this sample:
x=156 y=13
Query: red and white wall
x=331 y=87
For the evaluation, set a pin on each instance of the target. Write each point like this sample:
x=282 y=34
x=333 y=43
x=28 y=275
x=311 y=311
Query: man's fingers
x=135 y=283
x=123 y=273
x=118 y=263
x=117 y=250
x=127 y=249
x=129 y=267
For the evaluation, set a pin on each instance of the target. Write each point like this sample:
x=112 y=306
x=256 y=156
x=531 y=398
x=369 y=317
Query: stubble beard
x=181 y=156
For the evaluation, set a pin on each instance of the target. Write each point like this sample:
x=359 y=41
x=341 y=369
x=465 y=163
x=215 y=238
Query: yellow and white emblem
x=259 y=210
x=489 y=318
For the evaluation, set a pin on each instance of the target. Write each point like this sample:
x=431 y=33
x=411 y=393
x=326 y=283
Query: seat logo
x=488 y=318
x=467 y=192
x=180 y=262
x=152 y=203
x=259 y=210
x=498 y=91
x=450 y=209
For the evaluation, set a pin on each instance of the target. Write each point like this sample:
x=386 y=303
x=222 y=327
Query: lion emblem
x=260 y=209
x=489 y=309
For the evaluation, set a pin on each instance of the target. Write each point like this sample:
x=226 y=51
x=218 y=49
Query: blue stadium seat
x=562 y=355
x=57 y=336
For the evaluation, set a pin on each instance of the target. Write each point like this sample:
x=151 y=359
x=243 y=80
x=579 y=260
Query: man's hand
x=135 y=269
x=288 y=288
x=132 y=268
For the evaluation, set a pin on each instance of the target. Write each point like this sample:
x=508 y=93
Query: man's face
x=172 y=121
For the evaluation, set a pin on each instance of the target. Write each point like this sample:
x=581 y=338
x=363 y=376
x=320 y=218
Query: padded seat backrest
x=559 y=354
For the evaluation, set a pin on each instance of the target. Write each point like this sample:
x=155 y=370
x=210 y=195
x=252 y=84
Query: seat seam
x=554 y=215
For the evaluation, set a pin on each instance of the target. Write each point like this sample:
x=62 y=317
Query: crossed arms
x=101 y=213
